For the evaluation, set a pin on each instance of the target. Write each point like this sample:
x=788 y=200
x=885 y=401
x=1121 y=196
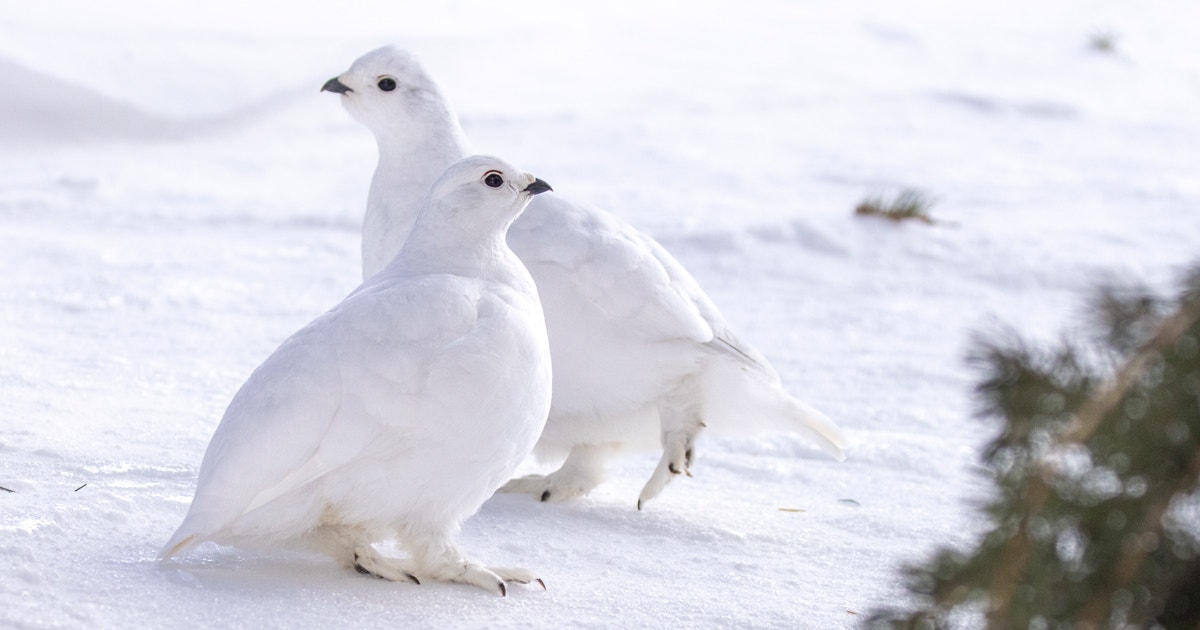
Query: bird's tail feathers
x=819 y=428
x=178 y=543
x=741 y=401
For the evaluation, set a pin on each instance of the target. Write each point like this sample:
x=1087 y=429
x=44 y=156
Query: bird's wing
x=621 y=273
x=724 y=340
x=323 y=396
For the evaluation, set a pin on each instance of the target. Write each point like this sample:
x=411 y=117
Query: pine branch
x=1085 y=475
x=1014 y=557
x=1134 y=556
x=1093 y=412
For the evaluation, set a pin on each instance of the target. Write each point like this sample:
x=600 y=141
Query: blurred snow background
x=176 y=198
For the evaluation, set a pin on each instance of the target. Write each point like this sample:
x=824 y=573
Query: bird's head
x=481 y=190
x=388 y=87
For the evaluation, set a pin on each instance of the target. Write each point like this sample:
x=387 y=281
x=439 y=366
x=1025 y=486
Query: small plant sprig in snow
x=909 y=205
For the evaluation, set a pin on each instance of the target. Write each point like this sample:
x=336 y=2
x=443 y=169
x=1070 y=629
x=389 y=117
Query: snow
x=176 y=198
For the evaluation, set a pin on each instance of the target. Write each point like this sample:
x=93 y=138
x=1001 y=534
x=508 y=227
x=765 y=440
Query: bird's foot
x=677 y=458
x=394 y=569
x=583 y=470
x=494 y=580
x=550 y=488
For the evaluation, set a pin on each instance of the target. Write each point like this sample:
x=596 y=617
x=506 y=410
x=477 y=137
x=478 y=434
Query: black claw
x=503 y=590
x=543 y=584
x=639 y=505
x=671 y=467
x=687 y=455
x=545 y=496
x=358 y=567
x=413 y=578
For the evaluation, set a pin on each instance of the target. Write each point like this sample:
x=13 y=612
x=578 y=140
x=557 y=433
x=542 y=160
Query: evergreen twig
x=1086 y=475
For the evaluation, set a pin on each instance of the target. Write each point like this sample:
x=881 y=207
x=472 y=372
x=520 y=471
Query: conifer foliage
x=1095 y=517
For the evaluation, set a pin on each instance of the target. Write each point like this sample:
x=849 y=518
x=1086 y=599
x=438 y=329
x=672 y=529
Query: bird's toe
x=385 y=568
x=492 y=580
x=529 y=484
x=518 y=575
x=561 y=485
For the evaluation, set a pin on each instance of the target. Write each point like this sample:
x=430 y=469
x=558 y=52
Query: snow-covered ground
x=176 y=198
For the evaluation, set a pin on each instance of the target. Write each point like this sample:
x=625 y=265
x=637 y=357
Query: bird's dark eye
x=387 y=84
x=494 y=180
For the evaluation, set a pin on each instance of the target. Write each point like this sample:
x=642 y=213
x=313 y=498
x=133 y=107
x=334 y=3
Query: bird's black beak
x=537 y=187
x=333 y=85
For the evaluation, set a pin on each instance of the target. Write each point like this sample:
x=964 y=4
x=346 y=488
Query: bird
x=642 y=357
x=398 y=412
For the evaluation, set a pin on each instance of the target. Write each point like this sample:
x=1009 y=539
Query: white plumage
x=641 y=355
x=400 y=411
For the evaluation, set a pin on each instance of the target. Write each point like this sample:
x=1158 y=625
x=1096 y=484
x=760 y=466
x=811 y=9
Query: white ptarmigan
x=397 y=413
x=641 y=355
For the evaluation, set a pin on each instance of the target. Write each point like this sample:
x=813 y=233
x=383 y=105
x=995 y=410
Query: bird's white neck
x=409 y=161
x=435 y=250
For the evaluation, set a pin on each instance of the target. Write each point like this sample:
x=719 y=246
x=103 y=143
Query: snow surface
x=176 y=198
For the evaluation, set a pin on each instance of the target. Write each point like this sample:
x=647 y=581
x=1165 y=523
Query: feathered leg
x=585 y=468
x=437 y=558
x=351 y=546
x=682 y=422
